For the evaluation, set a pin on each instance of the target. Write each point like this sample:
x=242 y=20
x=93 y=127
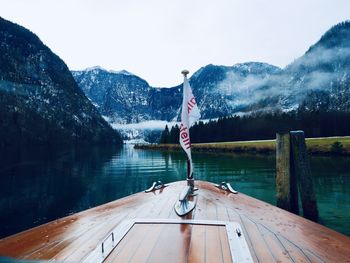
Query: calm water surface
x=39 y=185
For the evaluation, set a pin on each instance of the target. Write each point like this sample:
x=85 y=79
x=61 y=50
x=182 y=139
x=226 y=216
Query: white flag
x=189 y=115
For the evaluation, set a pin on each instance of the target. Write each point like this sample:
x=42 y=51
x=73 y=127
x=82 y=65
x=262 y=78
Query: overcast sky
x=156 y=39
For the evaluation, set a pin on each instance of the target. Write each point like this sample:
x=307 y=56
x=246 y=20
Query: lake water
x=40 y=185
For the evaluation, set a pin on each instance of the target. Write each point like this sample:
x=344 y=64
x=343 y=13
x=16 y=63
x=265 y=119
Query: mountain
x=125 y=98
x=40 y=102
x=121 y=96
x=324 y=71
x=318 y=80
x=222 y=90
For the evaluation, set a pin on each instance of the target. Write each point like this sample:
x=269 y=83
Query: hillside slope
x=40 y=102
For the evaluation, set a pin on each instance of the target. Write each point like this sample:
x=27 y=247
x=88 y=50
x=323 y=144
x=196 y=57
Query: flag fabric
x=189 y=115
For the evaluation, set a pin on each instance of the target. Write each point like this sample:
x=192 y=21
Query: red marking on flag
x=185 y=138
x=191 y=104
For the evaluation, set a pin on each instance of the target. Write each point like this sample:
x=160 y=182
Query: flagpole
x=190 y=179
x=185 y=204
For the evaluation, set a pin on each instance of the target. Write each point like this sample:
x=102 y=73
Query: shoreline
x=315 y=146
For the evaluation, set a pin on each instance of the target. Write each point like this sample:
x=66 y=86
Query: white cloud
x=145 y=125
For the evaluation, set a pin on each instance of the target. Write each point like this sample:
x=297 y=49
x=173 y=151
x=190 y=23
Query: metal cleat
x=227 y=187
x=155 y=186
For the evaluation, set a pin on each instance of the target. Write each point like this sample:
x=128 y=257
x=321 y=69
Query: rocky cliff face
x=40 y=101
x=121 y=96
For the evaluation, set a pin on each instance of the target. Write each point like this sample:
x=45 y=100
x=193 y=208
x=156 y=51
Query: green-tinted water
x=39 y=185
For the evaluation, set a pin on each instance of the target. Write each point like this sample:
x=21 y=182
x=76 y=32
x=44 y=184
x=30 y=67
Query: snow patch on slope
x=97 y=68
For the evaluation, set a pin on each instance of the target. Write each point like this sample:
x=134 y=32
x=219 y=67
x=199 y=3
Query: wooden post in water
x=286 y=185
x=292 y=173
x=302 y=171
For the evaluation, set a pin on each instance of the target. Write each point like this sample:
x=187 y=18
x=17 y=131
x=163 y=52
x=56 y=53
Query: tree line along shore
x=315 y=146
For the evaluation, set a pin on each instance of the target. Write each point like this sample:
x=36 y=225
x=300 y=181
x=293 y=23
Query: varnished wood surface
x=272 y=234
x=172 y=243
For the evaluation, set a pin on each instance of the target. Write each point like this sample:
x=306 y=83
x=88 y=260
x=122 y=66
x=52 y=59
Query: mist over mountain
x=325 y=70
x=223 y=90
x=40 y=102
x=318 y=80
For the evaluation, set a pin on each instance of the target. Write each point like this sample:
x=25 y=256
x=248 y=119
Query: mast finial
x=185 y=72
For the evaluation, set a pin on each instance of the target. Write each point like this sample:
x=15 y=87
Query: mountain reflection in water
x=39 y=185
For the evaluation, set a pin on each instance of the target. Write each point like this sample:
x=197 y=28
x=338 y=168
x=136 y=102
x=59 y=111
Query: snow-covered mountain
x=322 y=76
x=40 y=103
x=318 y=79
x=125 y=98
x=119 y=96
x=223 y=91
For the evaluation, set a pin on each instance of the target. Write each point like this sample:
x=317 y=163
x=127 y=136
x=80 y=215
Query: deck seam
x=245 y=229
x=291 y=257
x=262 y=235
x=315 y=255
x=282 y=236
x=300 y=249
x=222 y=253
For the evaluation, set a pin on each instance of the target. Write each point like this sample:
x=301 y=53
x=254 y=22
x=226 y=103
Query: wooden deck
x=272 y=234
x=172 y=243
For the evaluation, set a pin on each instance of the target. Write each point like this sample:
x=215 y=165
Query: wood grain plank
x=200 y=211
x=211 y=210
x=225 y=248
x=148 y=244
x=172 y=245
x=88 y=240
x=198 y=244
x=129 y=244
x=61 y=230
x=68 y=245
x=222 y=213
x=213 y=246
